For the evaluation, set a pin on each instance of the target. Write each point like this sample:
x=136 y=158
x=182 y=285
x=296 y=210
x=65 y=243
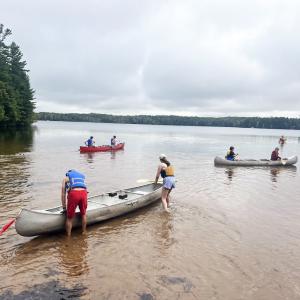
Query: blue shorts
x=169 y=182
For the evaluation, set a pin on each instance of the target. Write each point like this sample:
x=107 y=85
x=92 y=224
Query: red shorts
x=76 y=197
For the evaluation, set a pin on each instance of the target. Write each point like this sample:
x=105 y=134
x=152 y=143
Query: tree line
x=16 y=95
x=243 y=122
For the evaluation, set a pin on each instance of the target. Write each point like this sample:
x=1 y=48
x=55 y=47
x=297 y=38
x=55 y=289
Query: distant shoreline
x=239 y=122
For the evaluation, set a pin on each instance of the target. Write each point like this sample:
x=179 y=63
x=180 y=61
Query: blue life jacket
x=76 y=180
x=90 y=142
x=230 y=155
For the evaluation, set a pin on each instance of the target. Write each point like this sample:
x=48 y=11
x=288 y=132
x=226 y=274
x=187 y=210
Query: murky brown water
x=232 y=233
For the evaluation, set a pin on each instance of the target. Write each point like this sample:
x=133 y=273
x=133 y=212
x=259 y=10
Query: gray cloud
x=171 y=57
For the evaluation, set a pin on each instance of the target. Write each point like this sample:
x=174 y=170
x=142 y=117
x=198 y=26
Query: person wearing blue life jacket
x=75 y=191
x=166 y=171
x=230 y=154
x=113 y=141
x=90 y=142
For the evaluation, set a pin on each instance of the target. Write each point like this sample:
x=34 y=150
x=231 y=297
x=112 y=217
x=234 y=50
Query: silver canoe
x=100 y=208
x=219 y=161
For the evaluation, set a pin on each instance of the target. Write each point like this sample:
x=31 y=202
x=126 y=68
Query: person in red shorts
x=74 y=187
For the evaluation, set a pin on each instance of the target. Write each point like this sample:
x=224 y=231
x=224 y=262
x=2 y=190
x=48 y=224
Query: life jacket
x=169 y=171
x=76 y=180
x=230 y=155
x=90 y=142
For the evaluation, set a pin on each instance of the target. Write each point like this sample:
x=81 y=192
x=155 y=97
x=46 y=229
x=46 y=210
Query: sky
x=191 y=57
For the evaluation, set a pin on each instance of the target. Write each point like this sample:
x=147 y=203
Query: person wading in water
x=74 y=188
x=166 y=171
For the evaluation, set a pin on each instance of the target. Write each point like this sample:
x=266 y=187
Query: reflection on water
x=233 y=233
x=165 y=231
x=230 y=173
x=16 y=141
x=72 y=255
x=89 y=157
x=274 y=173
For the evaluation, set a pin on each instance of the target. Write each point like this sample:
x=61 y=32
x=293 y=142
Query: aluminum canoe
x=219 y=161
x=101 y=207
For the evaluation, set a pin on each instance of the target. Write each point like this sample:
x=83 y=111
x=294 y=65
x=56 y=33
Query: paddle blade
x=6 y=226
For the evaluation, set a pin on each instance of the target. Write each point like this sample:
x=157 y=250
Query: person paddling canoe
x=275 y=154
x=74 y=189
x=166 y=171
x=90 y=142
x=230 y=154
x=113 y=141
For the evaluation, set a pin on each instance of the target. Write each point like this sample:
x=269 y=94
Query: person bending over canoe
x=74 y=185
x=90 y=142
x=275 y=154
x=166 y=171
x=230 y=154
x=113 y=141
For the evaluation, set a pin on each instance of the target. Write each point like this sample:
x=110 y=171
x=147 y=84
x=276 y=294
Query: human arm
x=63 y=194
x=157 y=174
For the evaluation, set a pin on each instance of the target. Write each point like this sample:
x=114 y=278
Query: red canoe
x=103 y=148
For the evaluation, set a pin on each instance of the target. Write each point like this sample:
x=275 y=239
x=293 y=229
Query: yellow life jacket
x=170 y=171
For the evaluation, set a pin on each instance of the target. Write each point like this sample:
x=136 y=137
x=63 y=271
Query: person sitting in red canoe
x=90 y=142
x=275 y=154
x=113 y=141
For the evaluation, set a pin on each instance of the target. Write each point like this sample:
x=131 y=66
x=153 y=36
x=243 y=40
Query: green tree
x=16 y=95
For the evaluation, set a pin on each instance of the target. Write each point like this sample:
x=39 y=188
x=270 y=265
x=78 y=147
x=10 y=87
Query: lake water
x=233 y=233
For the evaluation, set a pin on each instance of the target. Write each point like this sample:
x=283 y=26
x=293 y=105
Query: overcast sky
x=185 y=57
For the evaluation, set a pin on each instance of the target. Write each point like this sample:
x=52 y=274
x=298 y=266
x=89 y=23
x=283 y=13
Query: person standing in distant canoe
x=74 y=188
x=282 y=140
x=166 y=171
x=113 y=141
x=90 y=142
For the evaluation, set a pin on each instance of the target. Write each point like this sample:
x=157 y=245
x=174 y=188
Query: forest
x=243 y=122
x=16 y=95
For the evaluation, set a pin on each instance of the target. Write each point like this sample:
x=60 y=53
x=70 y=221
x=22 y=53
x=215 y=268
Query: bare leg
x=164 y=195
x=168 y=198
x=83 y=223
x=69 y=226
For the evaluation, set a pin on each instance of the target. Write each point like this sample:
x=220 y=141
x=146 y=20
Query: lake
x=233 y=233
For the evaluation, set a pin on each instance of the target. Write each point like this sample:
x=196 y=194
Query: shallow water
x=233 y=233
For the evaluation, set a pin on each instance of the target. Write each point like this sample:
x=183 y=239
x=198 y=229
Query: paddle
x=6 y=226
